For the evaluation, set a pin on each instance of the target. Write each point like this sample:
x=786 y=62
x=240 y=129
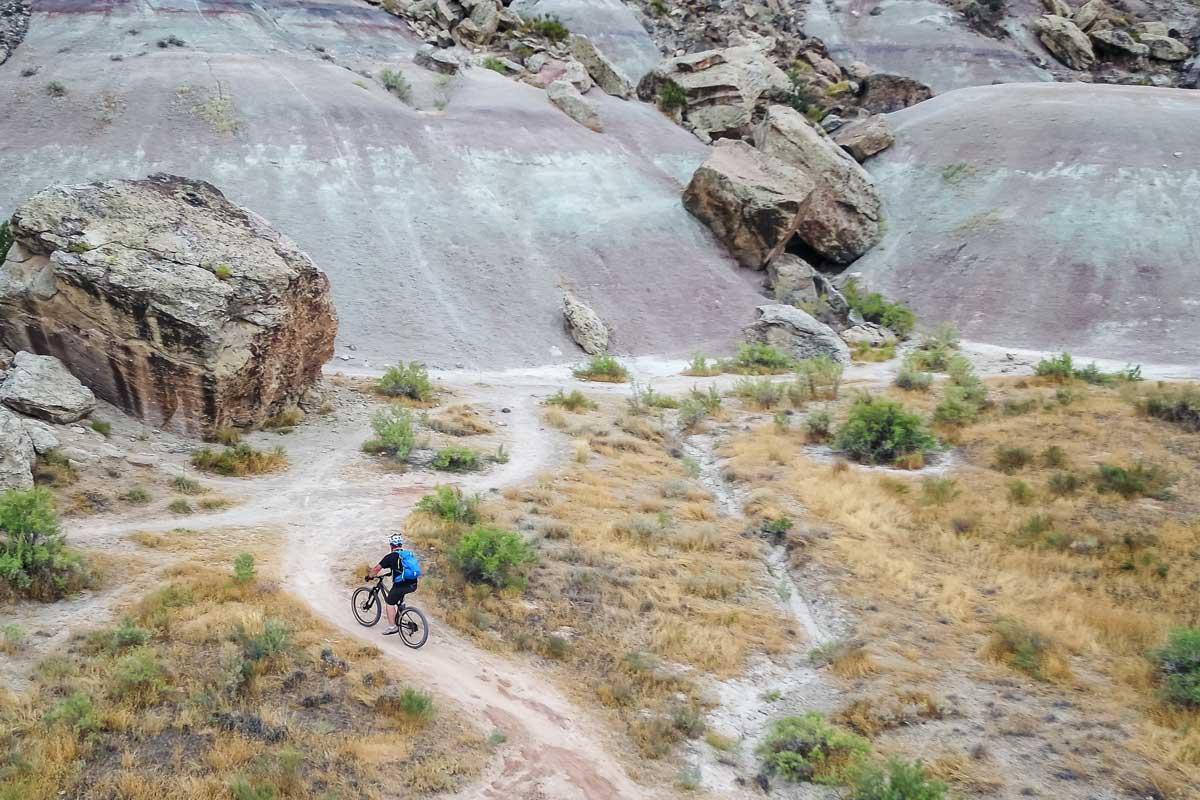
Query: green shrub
x=866 y=352
x=574 y=401
x=1141 y=480
x=186 y=485
x=222 y=272
x=126 y=635
x=938 y=491
x=1062 y=484
x=698 y=406
x=895 y=317
x=935 y=349
x=1180 y=405
x=406 y=380
x=761 y=392
x=1062 y=368
x=136 y=496
x=1019 y=647
x=653 y=399
x=76 y=712
x=1011 y=459
x=397 y=84
x=807 y=748
x=1020 y=493
x=550 y=27
x=672 y=96
x=394 y=434
x=56 y=89
x=700 y=367
x=604 y=368
x=1059 y=367
x=416 y=704
x=6 y=239
x=819 y=426
x=912 y=379
x=243 y=568
x=899 y=781
x=101 y=427
x=450 y=504
x=242 y=789
x=964 y=396
x=457 y=459
x=493 y=556
x=1179 y=667
x=34 y=558
x=818 y=377
x=138 y=677
x=759 y=359
x=239 y=460
x=495 y=65
x=180 y=506
x=1053 y=457
x=880 y=431
x=800 y=94
x=1014 y=408
x=273 y=640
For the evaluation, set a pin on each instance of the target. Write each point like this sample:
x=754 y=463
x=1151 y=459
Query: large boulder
x=607 y=75
x=792 y=331
x=717 y=89
x=40 y=386
x=17 y=456
x=840 y=218
x=1065 y=41
x=792 y=280
x=751 y=200
x=168 y=300
x=1165 y=48
x=883 y=93
x=1117 y=40
x=567 y=98
x=584 y=325
x=865 y=138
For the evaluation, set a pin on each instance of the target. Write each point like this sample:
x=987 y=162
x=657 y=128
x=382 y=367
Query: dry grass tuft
x=460 y=420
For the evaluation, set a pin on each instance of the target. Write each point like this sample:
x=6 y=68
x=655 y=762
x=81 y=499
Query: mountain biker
x=395 y=562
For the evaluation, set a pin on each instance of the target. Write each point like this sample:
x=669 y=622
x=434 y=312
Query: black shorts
x=396 y=594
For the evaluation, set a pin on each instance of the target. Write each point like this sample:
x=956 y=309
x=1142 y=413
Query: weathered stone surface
x=796 y=333
x=840 y=218
x=866 y=138
x=42 y=435
x=1164 y=48
x=485 y=17
x=167 y=300
x=585 y=325
x=751 y=201
x=40 y=386
x=1117 y=40
x=791 y=279
x=567 y=98
x=1153 y=28
x=883 y=93
x=868 y=333
x=1089 y=13
x=607 y=75
x=16 y=453
x=720 y=88
x=1065 y=41
x=438 y=60
x=1057 y=7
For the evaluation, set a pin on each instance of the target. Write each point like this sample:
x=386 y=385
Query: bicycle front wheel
x=367 y=608
x=414 y=630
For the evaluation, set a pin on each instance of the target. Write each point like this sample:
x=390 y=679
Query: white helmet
x=396 y=540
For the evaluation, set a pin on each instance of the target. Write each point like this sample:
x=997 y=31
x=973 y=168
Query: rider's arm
x=374 y=571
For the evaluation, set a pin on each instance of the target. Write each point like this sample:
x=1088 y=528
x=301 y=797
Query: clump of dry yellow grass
x=459 y=420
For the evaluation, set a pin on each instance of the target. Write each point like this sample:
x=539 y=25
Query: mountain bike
x=367 y=602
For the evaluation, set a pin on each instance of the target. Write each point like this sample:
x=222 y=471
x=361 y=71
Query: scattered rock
x=1115 y=39
x=840 y=217
x=1088 y=14
x=42 y=435
x=751 y=201
x=883 y=93
x=585 y=325
x=438 y=60
x=6 y=357
x=1164 y=48
x=606 y=74
x=481 y=25
x=791 y=279
x=1065 y=41
x=869 y=333
x=794 y=332
x=17 y=455
x=143 y=459
x=866 y=138
x=40 y=386
x=1058 y=8
x=563 y=94
x=168 y=300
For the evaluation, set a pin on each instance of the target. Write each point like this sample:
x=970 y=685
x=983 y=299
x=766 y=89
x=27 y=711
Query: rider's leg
x=391 y=614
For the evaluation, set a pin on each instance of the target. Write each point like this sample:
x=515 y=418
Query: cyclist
x=397 y=560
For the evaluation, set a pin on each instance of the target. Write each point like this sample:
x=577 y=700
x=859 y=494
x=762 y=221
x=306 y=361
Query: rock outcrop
x=584 y=325
x=866 y=138
x=40 y=386
x=715 y=92
x=167 y=300
x=564 y=95
x=792 y=280
x=1117 y=40
x=1164 y=48
x=1065 y=41
x=751 y=201
x=792 y=331
x=840 y=217
x=883 y=93
x=607 y=75
x=17 y=456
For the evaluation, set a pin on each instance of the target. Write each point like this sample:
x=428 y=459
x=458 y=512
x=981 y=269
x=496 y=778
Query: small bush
x=397 y=84
x=1062 y=484
x=759 y=359
x=222 y=272
x=899 y=781
x=1020 y=648
x=492 y=556
x=406 y=380
x=225 y=435
x=550 y=27
x=450 y=504
x=1011 y=459
x=866 y=352
x=180 y=506
x=101 y=427
x=672 y=96
x=1020 y=493
x=911 y=379
x=938 y=491
x=239 y=460
x=700 y=367
x=243 y=568
x=603 y=368
x=1141 y=480
x=1053 y=457
x=818 y=377
x=186 y=485
x=761 y=392
x=136 y=496
x=138 y=677
x=895 y=317
x=457 y=459
x=415 y=704
x=495 y=65
x=76 y=712
x=1059 y=367
x=34 y=559
x=807 y=748
x=574 y=401
x=284 y=420
x=1178 y=405
x=394 y=434
x=1014 y=408
x=818 y=426
x=1178 y=665
x=881 y=431
x=935 y=350
x=56 y=89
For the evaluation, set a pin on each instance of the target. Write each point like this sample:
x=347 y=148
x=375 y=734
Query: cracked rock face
x=167 y=300
x=16 y=453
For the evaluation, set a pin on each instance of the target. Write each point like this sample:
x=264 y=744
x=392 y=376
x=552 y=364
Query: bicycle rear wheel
x=366 y=606
x=414 y=630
